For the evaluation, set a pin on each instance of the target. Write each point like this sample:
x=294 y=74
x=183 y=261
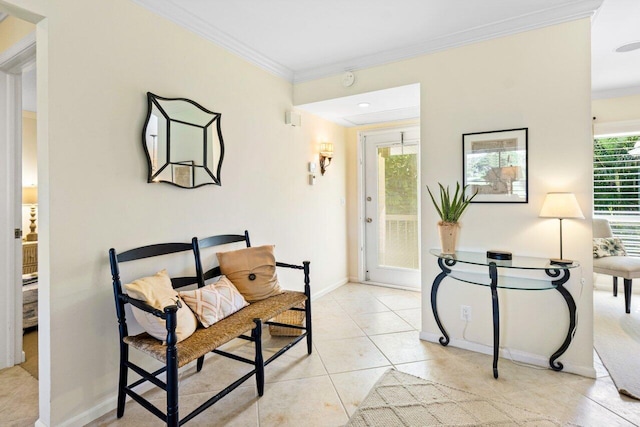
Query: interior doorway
x=385 y=251
x=391 y=206
x=19 y=196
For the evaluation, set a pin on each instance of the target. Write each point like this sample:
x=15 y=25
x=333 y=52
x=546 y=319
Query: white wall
x=539 y=80
x=96 y=61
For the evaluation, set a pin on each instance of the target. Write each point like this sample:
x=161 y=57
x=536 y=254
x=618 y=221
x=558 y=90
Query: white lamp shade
x=561 y=205
x=326 y=149
x=29 y=195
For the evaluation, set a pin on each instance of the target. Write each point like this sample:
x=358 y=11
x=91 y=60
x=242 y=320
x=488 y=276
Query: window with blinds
x=616 y=187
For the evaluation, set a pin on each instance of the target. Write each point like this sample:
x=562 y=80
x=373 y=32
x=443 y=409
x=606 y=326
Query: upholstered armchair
x=627 y=267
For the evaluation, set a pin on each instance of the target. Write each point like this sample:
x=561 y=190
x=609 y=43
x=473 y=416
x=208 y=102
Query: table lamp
x=30 y=197
x=561 y=206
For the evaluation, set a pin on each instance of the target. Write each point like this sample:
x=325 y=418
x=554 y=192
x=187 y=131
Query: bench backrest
x=211 y=241
x=138 y=254
x=201 y=276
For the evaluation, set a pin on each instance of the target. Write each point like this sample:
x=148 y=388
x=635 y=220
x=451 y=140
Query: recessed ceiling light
x=629 y=47
x=363 y=104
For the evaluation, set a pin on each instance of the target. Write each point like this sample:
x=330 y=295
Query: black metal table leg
x=493 y=274
x=444 y=340
x=571 y=304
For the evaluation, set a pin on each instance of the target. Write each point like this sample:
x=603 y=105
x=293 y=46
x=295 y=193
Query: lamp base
x=559 y=261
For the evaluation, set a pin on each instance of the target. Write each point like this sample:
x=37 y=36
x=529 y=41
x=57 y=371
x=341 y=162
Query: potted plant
x=450 y=210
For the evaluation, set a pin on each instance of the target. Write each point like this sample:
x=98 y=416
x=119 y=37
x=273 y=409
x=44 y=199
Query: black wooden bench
x=204 y=340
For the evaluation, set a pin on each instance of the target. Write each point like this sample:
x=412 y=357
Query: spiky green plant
x=451 y=208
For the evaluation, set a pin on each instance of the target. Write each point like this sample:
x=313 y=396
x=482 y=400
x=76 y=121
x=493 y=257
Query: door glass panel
x=398 y=206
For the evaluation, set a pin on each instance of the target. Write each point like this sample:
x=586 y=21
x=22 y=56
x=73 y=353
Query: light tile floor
x=360 y=331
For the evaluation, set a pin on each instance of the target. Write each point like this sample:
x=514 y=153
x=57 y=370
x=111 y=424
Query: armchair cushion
x=252 y=271
x=157 y=292
x=608 y=246
x=214 y=302
x=626 y=267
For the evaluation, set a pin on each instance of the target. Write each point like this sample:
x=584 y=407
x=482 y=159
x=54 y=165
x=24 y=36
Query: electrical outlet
x=465 y=313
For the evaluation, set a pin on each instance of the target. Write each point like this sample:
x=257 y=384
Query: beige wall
x=616 y=109
x=96 y=61
x=12 y=30
x=539 y=80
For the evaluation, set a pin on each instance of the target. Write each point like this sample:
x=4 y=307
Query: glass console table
x=558 y=276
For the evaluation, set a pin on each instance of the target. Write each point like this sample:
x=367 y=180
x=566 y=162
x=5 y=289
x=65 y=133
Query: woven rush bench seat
x=204 y=340
x=245 y=323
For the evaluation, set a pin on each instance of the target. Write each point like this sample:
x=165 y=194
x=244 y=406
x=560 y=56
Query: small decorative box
x=500 y=255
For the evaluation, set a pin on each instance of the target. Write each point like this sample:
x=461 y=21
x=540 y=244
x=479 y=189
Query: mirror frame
x=153 y=100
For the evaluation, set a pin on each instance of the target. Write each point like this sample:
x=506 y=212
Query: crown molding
x=615 y=93
x=176 y=14
x=18 y=57
x=540 y=19
x=551 y=16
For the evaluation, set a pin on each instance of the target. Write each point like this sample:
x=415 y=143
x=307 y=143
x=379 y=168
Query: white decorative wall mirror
x=183 y=142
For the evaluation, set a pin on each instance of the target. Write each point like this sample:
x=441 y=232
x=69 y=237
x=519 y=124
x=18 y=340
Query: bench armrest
x=294 y=266
x=146 y=307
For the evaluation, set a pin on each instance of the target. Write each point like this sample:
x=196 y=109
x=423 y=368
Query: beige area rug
x=400 y=399
x=616 y=337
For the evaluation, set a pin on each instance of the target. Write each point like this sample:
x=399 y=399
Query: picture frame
x=495 y=165
x=183 y=173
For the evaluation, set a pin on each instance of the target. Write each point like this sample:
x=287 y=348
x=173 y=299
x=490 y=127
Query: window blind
x=616 y=187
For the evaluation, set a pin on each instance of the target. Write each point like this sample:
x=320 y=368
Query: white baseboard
x=40 y=423
x=353 y=279
x=93 y=413
x=110 y=403
x=515 y=355
x=386 y=285
x=329 y=288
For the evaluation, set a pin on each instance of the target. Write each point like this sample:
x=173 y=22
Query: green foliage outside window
x=616 y=176
x=401 y=175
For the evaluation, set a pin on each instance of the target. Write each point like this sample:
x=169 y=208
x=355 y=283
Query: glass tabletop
x=519 y=262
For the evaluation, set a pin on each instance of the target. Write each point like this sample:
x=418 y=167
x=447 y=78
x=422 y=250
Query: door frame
x=13 y=62
x=362 y=264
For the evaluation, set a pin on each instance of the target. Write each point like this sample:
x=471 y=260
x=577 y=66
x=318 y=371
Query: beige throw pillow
x=608 y=246
x=214 y=302
x=158 y=293
x=252 y=271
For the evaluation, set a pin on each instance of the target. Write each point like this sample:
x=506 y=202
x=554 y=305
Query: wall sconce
x=326 y=153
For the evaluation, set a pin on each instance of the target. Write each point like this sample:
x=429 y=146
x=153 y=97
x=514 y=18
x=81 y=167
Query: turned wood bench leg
x=259 y=361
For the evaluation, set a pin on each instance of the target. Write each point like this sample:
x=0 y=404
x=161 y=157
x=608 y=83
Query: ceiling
x=615 y=74
x=308 y=39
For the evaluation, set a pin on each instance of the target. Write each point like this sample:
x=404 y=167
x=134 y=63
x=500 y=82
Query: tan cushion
x=252 y=271
x=626 y=267
x=214 y=302
x=158 y=293
x=608 y=246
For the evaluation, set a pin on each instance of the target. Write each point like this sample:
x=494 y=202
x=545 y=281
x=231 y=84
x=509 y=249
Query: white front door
x=391 y=207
